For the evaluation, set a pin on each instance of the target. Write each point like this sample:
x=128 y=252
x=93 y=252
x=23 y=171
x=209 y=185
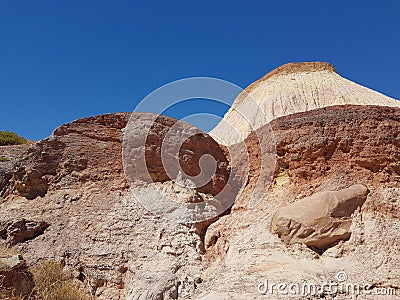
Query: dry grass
x=8 y=296
x=52 y=283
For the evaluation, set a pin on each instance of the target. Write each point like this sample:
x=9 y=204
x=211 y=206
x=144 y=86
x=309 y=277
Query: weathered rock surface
x=75 y=182
x=76 y=153
x=346 y=144
x=14 y=275
x=321 y=220
x=289 y=89
x=10 y=155
x=327 y=149
x=174 y=168
x=18 y=231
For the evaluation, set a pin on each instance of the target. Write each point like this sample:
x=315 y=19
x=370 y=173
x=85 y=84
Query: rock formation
x=19 y=231
x=289 y=89
x=14 y=275
x=10 y=155
x=323 y=150
x=68 y=197
x=321 y=220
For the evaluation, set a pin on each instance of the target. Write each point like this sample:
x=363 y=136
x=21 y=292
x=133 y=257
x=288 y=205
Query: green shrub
x=11 y=138
x=3 y=158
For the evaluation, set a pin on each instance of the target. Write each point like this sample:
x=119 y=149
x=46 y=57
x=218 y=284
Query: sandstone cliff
x=328 y=149
x=67 y=198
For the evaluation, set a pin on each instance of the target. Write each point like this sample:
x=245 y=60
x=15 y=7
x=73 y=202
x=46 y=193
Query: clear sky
x=63 y=60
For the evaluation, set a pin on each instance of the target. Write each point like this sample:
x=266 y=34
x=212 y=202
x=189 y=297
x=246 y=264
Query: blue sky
x=63 y=60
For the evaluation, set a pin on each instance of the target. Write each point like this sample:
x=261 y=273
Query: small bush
x=3 y=159
x=52 y=283
x=50 y=280
x=11 y=138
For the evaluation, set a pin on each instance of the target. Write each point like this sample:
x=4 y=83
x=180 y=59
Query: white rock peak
x=289 y=89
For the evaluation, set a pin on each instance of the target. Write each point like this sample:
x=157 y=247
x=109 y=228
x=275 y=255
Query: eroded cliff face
x=346 y=141
x=328 y=149
x=67 y=198
x=9 y=154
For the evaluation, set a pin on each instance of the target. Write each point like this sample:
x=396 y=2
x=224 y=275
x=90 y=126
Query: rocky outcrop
x=289 y=89
x=342 y=144
x=170 y=147
x=76 y=152
x=8 y=157
x=15 y=278
x=18 y=231
x=175 y=170
x=328 y=149
x=321 y=220
x=75 y=182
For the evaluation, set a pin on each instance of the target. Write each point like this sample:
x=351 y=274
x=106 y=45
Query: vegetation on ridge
x=11 y=138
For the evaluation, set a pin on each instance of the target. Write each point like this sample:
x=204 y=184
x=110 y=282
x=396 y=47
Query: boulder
x=14 y=276
x=321 y=220
x=19 y=231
